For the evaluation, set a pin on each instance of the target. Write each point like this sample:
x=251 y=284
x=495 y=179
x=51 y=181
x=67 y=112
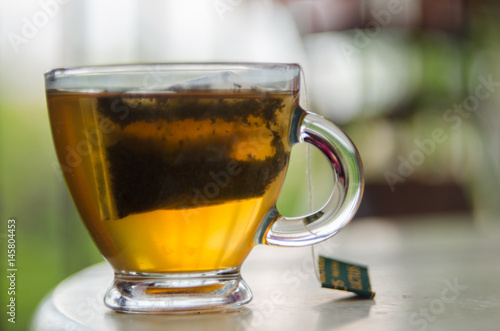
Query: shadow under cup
x=175 y=171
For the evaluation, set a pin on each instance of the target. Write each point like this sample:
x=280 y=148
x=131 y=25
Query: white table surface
x=436 y=273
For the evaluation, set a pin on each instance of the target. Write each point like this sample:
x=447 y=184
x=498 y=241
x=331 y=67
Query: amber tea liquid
x=173 y=182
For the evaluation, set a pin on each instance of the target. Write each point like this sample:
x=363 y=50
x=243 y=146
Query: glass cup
x=175 y=170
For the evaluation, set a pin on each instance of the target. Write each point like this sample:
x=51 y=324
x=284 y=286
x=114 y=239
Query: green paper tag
x=345 y=276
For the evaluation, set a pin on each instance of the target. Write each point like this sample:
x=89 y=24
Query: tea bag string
x=310 y=202
x=308 y=175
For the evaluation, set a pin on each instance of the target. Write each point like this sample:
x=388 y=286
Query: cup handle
x=278 y=230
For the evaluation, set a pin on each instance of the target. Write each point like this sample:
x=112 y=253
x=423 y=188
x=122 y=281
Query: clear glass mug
x=175 y=170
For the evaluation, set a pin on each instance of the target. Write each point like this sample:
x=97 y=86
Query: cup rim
x=162 y=67
x=162 y=77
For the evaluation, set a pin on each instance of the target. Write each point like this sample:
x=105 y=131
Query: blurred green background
x=387 y=72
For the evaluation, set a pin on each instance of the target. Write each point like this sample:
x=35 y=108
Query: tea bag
x=177 y=151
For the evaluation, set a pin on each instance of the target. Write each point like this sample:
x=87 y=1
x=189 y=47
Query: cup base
x=178 y=292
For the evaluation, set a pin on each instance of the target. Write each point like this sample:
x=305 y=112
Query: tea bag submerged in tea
x=192 y=150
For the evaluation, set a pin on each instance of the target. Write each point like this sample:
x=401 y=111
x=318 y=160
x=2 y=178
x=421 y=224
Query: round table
x=429 y=274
